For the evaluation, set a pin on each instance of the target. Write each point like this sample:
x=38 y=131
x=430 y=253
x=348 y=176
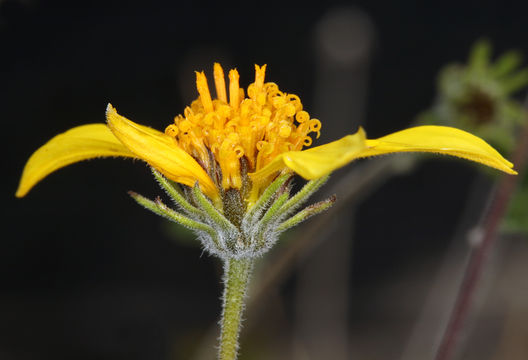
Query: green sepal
x=176 y=195
x=252 y=215
x=159 y=208
x=212 y=213
x=146 y=203
x=273 y=210
x=270 y=217
x=301 y=196
x=266 y=196
x=307 y=213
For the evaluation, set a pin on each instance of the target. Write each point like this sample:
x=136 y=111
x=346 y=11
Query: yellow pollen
x=258 y=127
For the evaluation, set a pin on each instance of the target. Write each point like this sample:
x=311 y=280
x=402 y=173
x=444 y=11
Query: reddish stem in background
x=480 y=254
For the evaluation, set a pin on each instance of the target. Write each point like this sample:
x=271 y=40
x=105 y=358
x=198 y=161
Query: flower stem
x=236 y=280
x=479 y=256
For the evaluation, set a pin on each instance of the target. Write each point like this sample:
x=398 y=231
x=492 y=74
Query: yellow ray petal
x=321 y=160
x=77 y=144
x=160 y=151
x=318 y=161
x=441 y=140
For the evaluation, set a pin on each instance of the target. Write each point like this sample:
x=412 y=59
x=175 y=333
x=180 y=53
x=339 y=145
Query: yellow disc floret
x=265 y=124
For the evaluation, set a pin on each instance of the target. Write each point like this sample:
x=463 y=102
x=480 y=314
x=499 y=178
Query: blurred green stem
x=236 y=281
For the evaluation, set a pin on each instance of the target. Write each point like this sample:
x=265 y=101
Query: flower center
x=259 y=127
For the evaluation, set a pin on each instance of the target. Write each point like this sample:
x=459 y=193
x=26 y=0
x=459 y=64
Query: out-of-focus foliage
x=478 y=96
x=517 y=218
x=183 y=236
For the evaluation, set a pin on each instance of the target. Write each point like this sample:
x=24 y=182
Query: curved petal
x=318 y=161
x=441 y=140
x=161 y=152
x=321 y=160
x=77 y=144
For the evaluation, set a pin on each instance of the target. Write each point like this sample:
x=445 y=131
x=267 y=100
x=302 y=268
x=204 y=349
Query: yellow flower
x=221 y=143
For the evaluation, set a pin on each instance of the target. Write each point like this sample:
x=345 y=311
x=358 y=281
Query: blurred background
x=85 y=273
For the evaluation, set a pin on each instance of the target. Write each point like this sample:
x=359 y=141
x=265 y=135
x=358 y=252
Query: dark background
x=87 y=274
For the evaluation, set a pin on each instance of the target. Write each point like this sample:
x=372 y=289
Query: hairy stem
x=236 y=280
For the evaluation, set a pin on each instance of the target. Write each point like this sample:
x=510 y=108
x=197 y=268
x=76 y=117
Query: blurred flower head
x=478 y=96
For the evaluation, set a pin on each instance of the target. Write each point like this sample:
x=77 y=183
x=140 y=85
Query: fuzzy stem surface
x=236 y=281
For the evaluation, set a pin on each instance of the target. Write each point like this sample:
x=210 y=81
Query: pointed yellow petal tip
x=441 y=140
x=321 y=160
x=77 y=144
x=160 y=151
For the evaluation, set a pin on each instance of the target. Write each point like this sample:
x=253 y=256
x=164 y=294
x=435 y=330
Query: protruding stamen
x=302 y=116
x=203 y=90
x=234 y=89
x=315 y=126
x=258 y=127
x=284 y=131
x=260 y=72
x=220 y=83
x=171 y=130
x=229 y=154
